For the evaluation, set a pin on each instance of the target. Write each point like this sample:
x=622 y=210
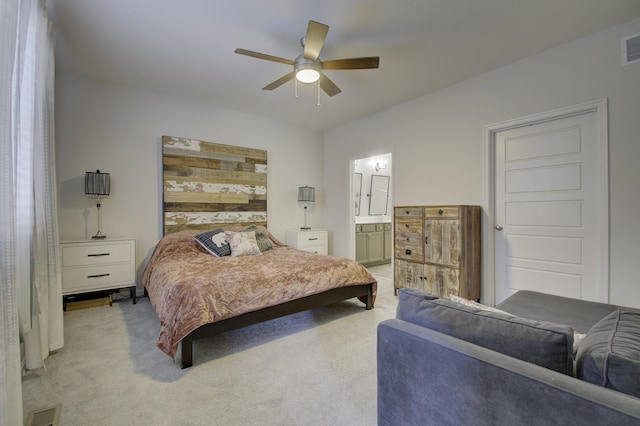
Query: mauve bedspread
x=189 y=287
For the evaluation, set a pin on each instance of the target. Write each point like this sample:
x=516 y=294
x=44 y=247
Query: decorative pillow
x=242 y=243
x=263 y=240
x=214 y=242
x=609 y=355
x=543 y=343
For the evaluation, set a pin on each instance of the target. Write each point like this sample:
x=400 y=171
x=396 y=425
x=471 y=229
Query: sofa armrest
x=426 y=377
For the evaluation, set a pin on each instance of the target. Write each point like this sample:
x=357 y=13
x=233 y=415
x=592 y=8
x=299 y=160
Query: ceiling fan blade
x=279 y=82
x=313 y=42
x=264 y=56
x=352 y=63
x=329 y=86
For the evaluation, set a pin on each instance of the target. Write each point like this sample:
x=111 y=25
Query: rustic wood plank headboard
x=209 y=185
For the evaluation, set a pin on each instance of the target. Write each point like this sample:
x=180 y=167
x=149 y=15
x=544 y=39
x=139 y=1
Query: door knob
x=498 y=227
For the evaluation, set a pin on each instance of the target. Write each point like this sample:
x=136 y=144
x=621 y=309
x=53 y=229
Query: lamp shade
x=306 y=194
x=97 y=184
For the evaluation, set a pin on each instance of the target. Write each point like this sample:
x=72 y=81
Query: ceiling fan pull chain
x=296 y=89
x=318 y=104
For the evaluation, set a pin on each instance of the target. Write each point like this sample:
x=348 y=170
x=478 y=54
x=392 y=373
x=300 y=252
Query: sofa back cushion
x=546 y=344
x=609 y=355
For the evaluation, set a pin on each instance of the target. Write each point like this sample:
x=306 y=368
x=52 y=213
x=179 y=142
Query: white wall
x=118 y=130
x=437 y=139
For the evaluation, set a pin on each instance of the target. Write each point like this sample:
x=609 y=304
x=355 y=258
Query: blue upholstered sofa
x=445 y=363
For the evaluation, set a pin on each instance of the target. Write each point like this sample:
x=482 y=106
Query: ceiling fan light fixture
x=307 y=76
x=307 y=67
x=307 y=70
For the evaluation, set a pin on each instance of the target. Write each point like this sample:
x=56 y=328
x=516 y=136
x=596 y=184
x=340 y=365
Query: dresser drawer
x=409 y=246
x=445 y=211
x=408 y=212
x=97 y=277
x=414 y=225
x=95 y=254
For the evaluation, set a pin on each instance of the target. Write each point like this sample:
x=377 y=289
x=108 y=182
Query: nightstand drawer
x=91 y=265
x=315 y=240
x=312 y=238
x=96 y=254
x=97 y=277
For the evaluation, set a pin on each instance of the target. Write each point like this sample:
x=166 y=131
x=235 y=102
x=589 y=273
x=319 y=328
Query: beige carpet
x=313 y=368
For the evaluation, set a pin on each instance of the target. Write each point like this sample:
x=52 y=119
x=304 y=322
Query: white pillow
x=242 y=243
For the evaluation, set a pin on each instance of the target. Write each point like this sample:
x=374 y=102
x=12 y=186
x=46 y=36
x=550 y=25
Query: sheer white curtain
x=30 y=292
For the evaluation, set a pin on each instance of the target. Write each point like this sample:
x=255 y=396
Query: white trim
x=600 y=107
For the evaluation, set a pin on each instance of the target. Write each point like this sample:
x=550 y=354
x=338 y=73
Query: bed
x=196 y=294
x=218 y=188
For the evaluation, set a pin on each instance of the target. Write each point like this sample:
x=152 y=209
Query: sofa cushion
x=543 y=343
x=609 y=355
x=578 y=314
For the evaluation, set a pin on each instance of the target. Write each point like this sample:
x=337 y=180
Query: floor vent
x=631 y=49
x=47 y=417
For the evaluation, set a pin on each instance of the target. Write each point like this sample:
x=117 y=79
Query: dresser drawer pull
x=313 y=239
x=98 y=254
x=98 y=276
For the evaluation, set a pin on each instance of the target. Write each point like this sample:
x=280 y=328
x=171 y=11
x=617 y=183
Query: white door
x=548 y=212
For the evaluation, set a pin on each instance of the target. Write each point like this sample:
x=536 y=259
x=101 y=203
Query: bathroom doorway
x=373 y=209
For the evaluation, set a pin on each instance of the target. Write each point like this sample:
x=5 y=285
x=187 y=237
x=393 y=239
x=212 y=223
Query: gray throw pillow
x=609 y=355
x=214 y=242
x=546 y=344
x=263 y=240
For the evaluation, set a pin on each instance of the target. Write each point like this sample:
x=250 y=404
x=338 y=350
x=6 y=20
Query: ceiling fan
x=307 y=68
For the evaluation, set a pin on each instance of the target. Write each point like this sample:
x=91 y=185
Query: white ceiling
x=185 y=48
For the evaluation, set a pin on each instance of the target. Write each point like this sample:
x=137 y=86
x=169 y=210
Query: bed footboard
x=363 y=291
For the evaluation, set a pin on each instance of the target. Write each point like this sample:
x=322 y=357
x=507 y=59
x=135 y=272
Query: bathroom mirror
x=357 y=188
x=379 y=195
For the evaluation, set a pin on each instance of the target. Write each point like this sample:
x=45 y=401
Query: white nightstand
x=313 y=240
x=95 y=265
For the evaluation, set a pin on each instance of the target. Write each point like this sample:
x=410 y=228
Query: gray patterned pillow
x=214 y=242
x=263 y=240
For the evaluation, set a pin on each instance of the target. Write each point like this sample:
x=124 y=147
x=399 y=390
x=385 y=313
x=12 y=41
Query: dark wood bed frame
x=187 y=164
x=294 y=306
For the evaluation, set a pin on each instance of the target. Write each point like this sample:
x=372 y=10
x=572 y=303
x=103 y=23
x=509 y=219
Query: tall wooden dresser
x=437 y=249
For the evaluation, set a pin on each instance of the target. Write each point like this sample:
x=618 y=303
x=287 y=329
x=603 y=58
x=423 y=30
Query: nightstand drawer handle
x=313 y=239
x=98 y=276
x=98 y=254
